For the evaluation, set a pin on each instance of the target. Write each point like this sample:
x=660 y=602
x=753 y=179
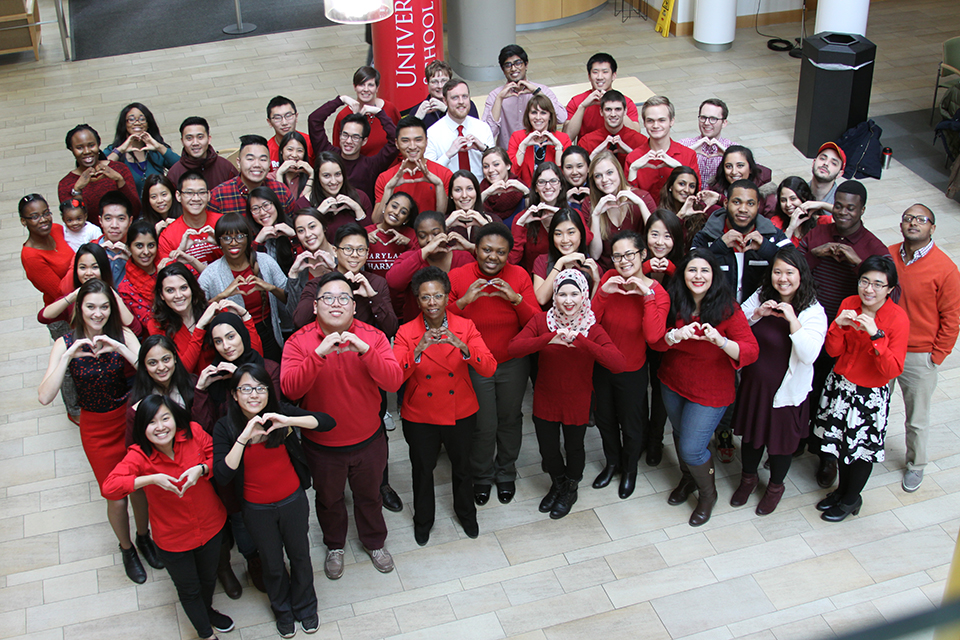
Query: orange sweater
x=931 y=298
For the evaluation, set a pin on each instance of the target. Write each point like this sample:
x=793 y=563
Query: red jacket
x=345 y=386
x=438 y=388
x=565 y=377
x=179 y=524
x=862 y=361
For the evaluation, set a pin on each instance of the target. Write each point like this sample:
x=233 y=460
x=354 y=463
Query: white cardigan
x=217 y=277
x=807 y=342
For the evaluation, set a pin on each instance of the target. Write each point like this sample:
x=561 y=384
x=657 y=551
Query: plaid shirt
x=231 y=196
x=708 y=163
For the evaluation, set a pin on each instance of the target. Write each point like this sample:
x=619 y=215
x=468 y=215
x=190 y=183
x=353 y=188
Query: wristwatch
x=879 y=334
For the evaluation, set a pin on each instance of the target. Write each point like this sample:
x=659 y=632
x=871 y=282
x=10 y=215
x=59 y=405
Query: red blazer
x=179 y=524
x=438 y=389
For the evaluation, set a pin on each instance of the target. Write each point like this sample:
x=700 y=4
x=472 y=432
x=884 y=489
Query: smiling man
x=282 y=118
x=458 y=139
x=827 y=167
x=254 y=164
x=199 y=155
x=193 y=196
x=583 y=110
x=614 y=135
x=650 y=164
x=505 y=105
x=743 y=243
x=709 y=146
x=425 y=180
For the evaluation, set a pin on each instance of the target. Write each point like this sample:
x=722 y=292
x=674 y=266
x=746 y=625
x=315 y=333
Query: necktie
x=463 y=155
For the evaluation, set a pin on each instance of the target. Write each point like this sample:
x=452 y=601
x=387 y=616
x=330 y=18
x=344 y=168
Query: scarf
x=585 y=319
x=193 y=164
x=504 y=202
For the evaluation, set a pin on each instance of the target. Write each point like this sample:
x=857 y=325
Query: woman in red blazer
x=435 y=351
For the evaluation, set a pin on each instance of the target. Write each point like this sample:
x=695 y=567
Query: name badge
x=758 y=263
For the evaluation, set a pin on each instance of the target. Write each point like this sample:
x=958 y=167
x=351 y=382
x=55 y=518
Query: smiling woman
x=94 y=175
x=139 y=145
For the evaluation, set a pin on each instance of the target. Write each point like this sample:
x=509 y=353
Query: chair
x=949 y=66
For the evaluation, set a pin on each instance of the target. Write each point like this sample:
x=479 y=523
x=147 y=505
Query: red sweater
x=526 y=169
x=497 y=320
x=653 y=179
x=700 y=371
x=862 y=361
x=190 y=346
x=345 y=386
x=565 y=378
x=269 y=475
x=378 y=137
x=96 y=190
x=178 y=523
x=632 y=321
x=930 y=294
x=423 y=193
x=524 y=252
x=45 y=269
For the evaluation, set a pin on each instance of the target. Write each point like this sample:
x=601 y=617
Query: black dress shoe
x=506 y=491
x=391 y=501
x=481 y=494
x=472 y=529
x=654 y=455
x=422 y=536
x=149 y=551
x=841 y=511
x=132 y=565
x=829 y=502
x=628 y=482
x=605 y=476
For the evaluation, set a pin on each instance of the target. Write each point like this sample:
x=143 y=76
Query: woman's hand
x=75 y=350
x=230 y=305
x=443 y=335
x=214 y=372
x=564 y=336
x=458 y=240
x=327 y=205
x=847 y=318
x=353 y=205
x=866 y=324
x=690 y=208
x=190 y=478
x=150 y=144
x=768 y=308
x=436 y=245
x=570 y=260
x=165 y=482
x=208 y=314
x=711 y=335
x=513 y=183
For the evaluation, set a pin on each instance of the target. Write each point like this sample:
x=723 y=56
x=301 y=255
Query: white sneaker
x=388 y=422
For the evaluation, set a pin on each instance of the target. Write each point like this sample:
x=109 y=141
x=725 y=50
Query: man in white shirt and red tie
x=458 y=140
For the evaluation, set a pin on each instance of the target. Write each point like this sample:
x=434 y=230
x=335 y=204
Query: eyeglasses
x=354 y=251
x=237 y=239
x=907 y=219
x=136 y=119
x=38 y=216
x=863 y=283
x=190 y=195
x=342 y=300
x=514 y=65
x=283 y=117
x=710 y=119
x=246 y=390
x=265 y=207
x=439 y=82
x=426 y=298
x=626 y=256
x=353 y=137
x=551 y=182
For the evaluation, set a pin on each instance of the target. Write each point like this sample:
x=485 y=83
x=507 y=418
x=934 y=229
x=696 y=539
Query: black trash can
x=836 y=76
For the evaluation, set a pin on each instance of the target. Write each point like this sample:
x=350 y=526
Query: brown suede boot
x=748 y=484
x=706 y=492
x=770 y=499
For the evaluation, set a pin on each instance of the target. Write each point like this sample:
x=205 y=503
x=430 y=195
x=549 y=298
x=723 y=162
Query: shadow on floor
x=910 y=135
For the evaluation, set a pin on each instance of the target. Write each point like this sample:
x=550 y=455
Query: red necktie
x=463 y=155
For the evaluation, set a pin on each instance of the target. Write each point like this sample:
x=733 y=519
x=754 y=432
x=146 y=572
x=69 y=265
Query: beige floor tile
x=656 y=584
x=511 y=572
x=901 y=605
x=452 y=560
x=635 y=562
x=33 y=552
x=406 y=597
x=12 y=623
x=484 y=627
x=759 y=557
x=890 y=558
x=615 y=546
x=707 y=607
x=815 y=627
x=538 y=586
x=812 y=579
x=879 y=590
x=584 y=574
x=21 y=596
x=550 y=537
x=557 y=610
x=82 y=609
x=371 y=625
x=852 y=618
x=424 y=614
x=475 y=602
x=638 y=622
x=159 y=623
x=72 y=586
x=781 y=618
x=854 y=531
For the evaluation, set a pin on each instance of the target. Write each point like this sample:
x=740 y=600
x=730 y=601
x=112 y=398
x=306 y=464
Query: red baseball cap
x=833 y=146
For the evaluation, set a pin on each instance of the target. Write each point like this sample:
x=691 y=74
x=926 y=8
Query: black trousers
x=548 y=438
x=621 y=414
x=658 y=412
x=424 y=441
x=194 y=574
x=278 y=527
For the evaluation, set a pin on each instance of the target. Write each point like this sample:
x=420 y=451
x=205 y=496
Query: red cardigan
x=632 y=321
x=701 y=372
x=438 y=388
x=866 y=363
x=45 y=269
x=345 y=386
x=565 y=378
x=178 y=523
x=496 y=319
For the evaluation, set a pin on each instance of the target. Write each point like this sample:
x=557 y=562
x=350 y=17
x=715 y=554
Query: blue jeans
x=693 y=425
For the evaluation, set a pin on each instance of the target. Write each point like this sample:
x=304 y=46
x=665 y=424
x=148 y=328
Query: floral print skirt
x=852 y=420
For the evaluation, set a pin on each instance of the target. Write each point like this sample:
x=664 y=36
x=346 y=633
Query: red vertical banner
x=403 y=44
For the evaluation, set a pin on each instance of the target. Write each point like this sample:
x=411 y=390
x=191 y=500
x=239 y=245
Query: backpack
x=864 y=151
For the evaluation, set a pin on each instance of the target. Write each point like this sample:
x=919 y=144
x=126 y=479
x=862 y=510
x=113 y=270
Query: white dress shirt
x=442 y=134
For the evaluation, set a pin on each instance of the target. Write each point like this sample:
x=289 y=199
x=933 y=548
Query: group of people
x=227 y=336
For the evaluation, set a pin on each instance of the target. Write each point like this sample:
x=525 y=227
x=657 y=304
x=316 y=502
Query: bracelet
x=726 y=340
x=242 y=444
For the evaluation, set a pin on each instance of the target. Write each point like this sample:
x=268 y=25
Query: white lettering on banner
x=404 y=18
x=429 y=35
x=402 y=5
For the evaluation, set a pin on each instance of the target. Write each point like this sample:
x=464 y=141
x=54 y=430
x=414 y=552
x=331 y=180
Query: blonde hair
x=596 y=194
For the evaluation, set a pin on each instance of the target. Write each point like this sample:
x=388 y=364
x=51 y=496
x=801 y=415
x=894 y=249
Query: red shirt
x=45 y=269
x=378 y=137
x=381 y=257
x=525 y=170
x=565 y=378
x=497 y=320
x=864 y=362
x=253 y=301
x=268 y=474
x=715 y=386
x=423 y=193
x=273 y=146
x=631 y=138
x=172 y=235
x=525 y=252
x=178 y=523
x=632 y=321
x=652 y=180
x=592 y=118
x=345 y=386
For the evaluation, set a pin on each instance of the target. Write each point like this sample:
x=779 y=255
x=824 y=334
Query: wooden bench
x=19 y=26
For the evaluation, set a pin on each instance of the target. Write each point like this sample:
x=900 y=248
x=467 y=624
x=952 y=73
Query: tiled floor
x=612 y=569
